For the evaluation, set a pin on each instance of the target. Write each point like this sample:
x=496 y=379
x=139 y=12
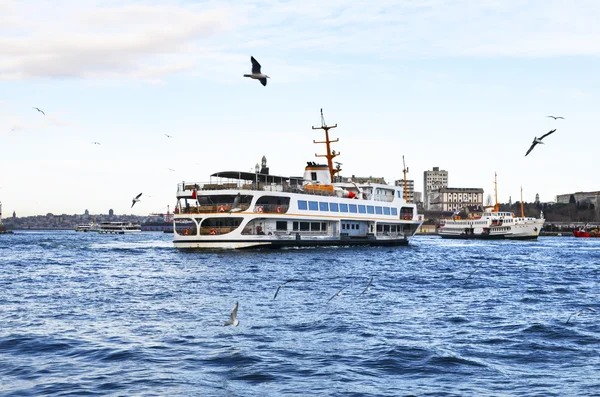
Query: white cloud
x=110 y=40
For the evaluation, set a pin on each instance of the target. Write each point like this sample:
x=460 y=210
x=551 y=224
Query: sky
x=457 y=84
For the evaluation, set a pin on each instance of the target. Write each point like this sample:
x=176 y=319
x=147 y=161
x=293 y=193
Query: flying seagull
x=537 y=140
x=168 y=136
x=368 y=287
x=232 y=319
x=556 y=117
x=577 y=313
x=235 y=207
x=337 y=293
x=95 y=143
x=39 y=110
x=256 y=74
x=171 y=169
x=135 y=200
x=281 y=286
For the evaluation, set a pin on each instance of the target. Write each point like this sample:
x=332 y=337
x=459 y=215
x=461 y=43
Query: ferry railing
x=261 y=187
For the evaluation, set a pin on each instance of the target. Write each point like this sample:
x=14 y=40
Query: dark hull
x=488 y=237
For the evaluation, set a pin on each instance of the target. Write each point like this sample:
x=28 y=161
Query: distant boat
x=87 y=227
x=119 y=228
x=583 y=232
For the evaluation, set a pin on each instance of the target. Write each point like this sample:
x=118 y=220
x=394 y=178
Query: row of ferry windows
x=352 y=208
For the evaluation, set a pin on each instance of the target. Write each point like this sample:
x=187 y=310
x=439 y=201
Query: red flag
x=194 y=193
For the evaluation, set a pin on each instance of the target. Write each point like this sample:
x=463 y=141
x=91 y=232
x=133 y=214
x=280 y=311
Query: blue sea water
x=83 y=314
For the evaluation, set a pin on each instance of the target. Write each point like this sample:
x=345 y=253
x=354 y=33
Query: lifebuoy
x=186 y=232
x=221 y=208
x=213 y=231
x=259 y=209
x=278 y=209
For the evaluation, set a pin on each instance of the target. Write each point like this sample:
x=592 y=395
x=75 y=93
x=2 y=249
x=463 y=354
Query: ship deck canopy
x=263 y=178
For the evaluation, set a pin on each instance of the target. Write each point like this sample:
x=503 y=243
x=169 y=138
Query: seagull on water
x=281 y=286
x=135 y=200
x=232 y=319
x=368 y=287
x=256 y=74
x=556 y=117
x=40 y=110
x=577 y=313
x=337 y=293
x=537 y=140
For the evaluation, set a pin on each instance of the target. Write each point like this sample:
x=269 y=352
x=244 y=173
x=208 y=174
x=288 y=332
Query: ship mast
x=496 y=207
x=522 y=210
x=405 y=170
x=330 y=155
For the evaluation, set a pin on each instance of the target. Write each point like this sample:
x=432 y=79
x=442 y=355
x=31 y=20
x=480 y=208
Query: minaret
x=330 y=155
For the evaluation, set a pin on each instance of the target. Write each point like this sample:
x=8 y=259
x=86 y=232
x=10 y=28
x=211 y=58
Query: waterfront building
x=432 y=181
x=454 y=198
x=591 y=197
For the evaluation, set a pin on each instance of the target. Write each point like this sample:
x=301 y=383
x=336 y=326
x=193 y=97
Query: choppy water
x=87 y=314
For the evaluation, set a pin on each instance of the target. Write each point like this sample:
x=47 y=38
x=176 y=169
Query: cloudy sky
x=463 y=85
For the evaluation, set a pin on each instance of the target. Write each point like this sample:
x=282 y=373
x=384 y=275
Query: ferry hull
x=492 y=237
x=277 y=244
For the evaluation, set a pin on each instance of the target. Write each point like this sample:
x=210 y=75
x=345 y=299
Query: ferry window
x=323 y=226
x=333 y=207
x=362 y=209
x=343 y=226
x=352 y=226
x=378 y=210
x=313 y=206
x=281 y=225
x=379 y=228
x=386 y=228
x=370 y=209
x=343 y=207
x=323 y=206
x=353 y=208
x=386 y=210
x=395 y=211
x=302 y=205
x=305 y=226
x=315 y=226
x=295 y=226
x=313 y=176
x=398 y=194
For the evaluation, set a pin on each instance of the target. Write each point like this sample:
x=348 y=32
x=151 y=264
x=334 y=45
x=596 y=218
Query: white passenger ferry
x=119 y=228
x=492 y=224
x=247 y=210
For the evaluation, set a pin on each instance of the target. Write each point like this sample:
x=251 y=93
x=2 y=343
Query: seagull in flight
x=337 y=293
x=168 y=136
x=135 y=199
x=557 y=117
x=171 y=169
x=368 y=287
x=256 y=74
x=537 y=140
x=232 y=319
x=577 y=313
x=95 y=143
x=40 y=110
x=281 y=286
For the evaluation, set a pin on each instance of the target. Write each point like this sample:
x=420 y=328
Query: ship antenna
x=330 y=155
x=496 y=207
x=522 y=210
x=405 y=170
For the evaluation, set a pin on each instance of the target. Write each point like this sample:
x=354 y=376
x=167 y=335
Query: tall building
x=111 y=212
x=410 y=188
x=432 y=181
x=86 y=213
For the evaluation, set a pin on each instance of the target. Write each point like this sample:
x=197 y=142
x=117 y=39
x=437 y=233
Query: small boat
x=87 y=227
x=119 y=228
x=586 y=232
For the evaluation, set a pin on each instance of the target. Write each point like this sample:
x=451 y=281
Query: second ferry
x=258 y=210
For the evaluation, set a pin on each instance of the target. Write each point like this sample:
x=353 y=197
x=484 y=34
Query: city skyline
x=457 y=85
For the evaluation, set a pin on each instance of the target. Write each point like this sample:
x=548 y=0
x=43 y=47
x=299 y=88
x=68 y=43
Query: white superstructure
x=245 y=210
x=492 y=225
x=119 y=228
